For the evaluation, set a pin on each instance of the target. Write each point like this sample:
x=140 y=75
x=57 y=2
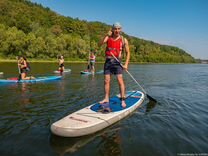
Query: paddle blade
x=150 y=106
x=151 y=98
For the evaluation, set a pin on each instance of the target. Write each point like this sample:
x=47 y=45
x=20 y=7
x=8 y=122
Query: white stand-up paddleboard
x=85 y=72
x=90 y=120
x=65 y=71
x=88 y=73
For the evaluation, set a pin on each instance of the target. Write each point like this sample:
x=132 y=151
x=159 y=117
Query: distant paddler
x=92 y=58
x=24 y=68
x=61 y=63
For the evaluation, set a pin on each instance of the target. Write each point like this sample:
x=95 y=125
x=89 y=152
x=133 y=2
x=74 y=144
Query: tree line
x=29 y=29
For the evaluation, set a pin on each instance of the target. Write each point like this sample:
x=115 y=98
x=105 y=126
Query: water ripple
x=177 y=123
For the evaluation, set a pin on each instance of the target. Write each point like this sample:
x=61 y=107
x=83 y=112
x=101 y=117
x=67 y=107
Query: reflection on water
x=25 y=93
x=109 y=143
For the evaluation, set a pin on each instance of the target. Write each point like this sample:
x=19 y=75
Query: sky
x=181 y=23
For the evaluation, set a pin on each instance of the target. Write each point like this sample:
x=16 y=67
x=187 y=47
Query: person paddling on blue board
x=24 y=68
x=61 y=63
x=92 y=58
x=115 y=45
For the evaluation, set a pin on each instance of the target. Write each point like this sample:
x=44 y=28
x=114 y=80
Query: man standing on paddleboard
x=116 y=43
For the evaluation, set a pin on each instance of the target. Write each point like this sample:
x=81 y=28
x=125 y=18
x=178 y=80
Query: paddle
x=148 y=96
x=88 y=63
x=60 y=70
x=19 y=77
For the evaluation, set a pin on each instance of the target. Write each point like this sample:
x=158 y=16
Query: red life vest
x=114 y=46
x=92 y=57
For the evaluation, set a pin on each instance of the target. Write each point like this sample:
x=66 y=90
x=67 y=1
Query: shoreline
x=84 y=61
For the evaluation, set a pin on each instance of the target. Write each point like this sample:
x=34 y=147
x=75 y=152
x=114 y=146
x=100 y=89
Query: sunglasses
x=116 y=28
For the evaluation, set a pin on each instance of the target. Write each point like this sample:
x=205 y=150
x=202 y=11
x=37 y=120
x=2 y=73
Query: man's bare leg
x=107 y=89
x=122 y=90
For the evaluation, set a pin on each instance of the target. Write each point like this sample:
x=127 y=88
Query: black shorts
x=61 y=65
x=23 y=70
x=112 y=66
x=92 y=63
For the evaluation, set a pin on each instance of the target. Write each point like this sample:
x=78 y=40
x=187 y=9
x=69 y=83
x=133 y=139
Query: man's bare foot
x=123 y=104
x=103 y=101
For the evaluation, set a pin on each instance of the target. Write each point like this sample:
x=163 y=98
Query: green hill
x=30 y=29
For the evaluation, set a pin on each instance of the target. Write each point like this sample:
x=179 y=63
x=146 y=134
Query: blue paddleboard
x=37 y=79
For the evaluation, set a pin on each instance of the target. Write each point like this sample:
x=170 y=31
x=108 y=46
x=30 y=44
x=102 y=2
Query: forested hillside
x=37 y=32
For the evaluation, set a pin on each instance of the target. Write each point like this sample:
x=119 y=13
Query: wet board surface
x=85 y=72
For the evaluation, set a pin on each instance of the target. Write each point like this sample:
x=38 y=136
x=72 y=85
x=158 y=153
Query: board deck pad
x=115 y=103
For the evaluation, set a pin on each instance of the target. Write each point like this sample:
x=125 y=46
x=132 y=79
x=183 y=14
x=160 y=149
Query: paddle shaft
x=151 y=98
x=130 y=75
x=19 y=70
x=88 y=62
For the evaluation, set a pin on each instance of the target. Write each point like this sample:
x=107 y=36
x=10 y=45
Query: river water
x=176 y=125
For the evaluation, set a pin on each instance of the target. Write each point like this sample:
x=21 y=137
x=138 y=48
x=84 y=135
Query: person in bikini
x=23 y=67
x=115 y=44
x=61 y=63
